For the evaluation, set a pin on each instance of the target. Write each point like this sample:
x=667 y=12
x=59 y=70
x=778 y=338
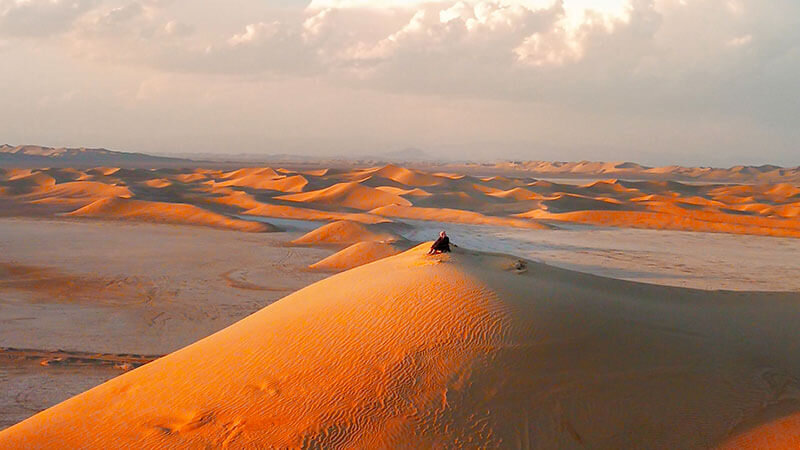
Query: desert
x=399 y=224
x=298 y=307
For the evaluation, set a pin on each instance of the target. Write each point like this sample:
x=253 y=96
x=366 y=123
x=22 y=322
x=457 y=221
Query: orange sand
x=294 y=183
x=517 y=193
x=346 y=232
x=160 y=212
x=372 y=194
x=293 y=212
x=415 y=192
x=406 y=176
x=356 y=255
x=158 y=183
x=662 y=221
x=465 y=350
x=349 y=195
x=454 y=216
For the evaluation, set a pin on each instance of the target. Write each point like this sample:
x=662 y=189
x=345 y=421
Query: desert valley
x=295 y=305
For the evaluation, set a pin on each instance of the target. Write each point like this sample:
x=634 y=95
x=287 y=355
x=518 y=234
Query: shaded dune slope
x=465 y=350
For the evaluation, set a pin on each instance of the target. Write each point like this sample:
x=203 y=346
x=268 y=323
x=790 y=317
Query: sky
x=693 y=82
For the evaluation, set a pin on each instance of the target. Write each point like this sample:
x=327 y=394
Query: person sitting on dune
x=442 y=245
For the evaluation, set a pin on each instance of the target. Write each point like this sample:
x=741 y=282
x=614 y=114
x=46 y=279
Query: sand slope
x=453 y=216
x=364 y=195
x=464 y=350
x=346 y=232
x=349 y=195
x=356 y=255
x=160 y=212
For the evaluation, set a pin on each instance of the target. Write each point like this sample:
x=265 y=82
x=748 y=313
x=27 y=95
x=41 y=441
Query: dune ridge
x=378 y=194
x=462 y=350
x=452 y=215
x=160 y=212
x=358 y=254
x=346 y=232
x=350 y=195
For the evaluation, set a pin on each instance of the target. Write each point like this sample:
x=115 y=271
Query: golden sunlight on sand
x=465 y=350
x=384 y=194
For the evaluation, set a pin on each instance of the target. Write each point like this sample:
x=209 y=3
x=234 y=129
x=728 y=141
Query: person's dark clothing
x=441 y=245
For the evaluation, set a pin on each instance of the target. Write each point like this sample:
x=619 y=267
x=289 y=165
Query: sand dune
x=345 y=232
x=463 y=350
x=293 y=183
x=662 y=221
x=158 y=183
x=407 y=177
x=103 y=171
x=348 y=195
x=266 y=172
x=414 y=192
x=26 y=183
x=356 y=255
x=453 y=216
x=160 y=212
x=293 y=212
x=190 y=177
x=518 y=194
x=82 y=192
x=571 y=202
x=372 y=194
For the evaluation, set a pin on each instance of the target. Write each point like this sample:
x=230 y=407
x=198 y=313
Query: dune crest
x=346 y=232
x=280 y=183
x=160 y=212
x=365 y=195
x=454 y=216
x=356 y=255
x=349 y=195
x=460 y=350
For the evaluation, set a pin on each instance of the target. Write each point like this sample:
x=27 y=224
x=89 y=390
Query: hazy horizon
x=657 y=82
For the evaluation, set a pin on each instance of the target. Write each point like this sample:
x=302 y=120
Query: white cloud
x=255 y=32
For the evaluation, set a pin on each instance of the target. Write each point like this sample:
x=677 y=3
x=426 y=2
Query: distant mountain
x=38 y=156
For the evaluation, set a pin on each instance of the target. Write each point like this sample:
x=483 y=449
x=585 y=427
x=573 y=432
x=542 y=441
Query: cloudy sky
x=712 y=82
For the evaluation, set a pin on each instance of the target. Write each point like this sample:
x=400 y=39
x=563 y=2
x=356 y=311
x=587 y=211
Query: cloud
x=633 y=61
x=255 y=33
x=35 y=18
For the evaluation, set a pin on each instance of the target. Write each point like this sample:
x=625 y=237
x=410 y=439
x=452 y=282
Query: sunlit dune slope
x=349 y=195
x=464 y=350
x=406 y=176
x=453 y=216
x=345 y=232
x=686 y=221
x=80 y=191
x=292 y=183
x=415 y=192
x=160 y=212
x=517 y=193
x=375 y=194
x=266 y=172
x=356 y=255
x=158 y=183
x=293 y=212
